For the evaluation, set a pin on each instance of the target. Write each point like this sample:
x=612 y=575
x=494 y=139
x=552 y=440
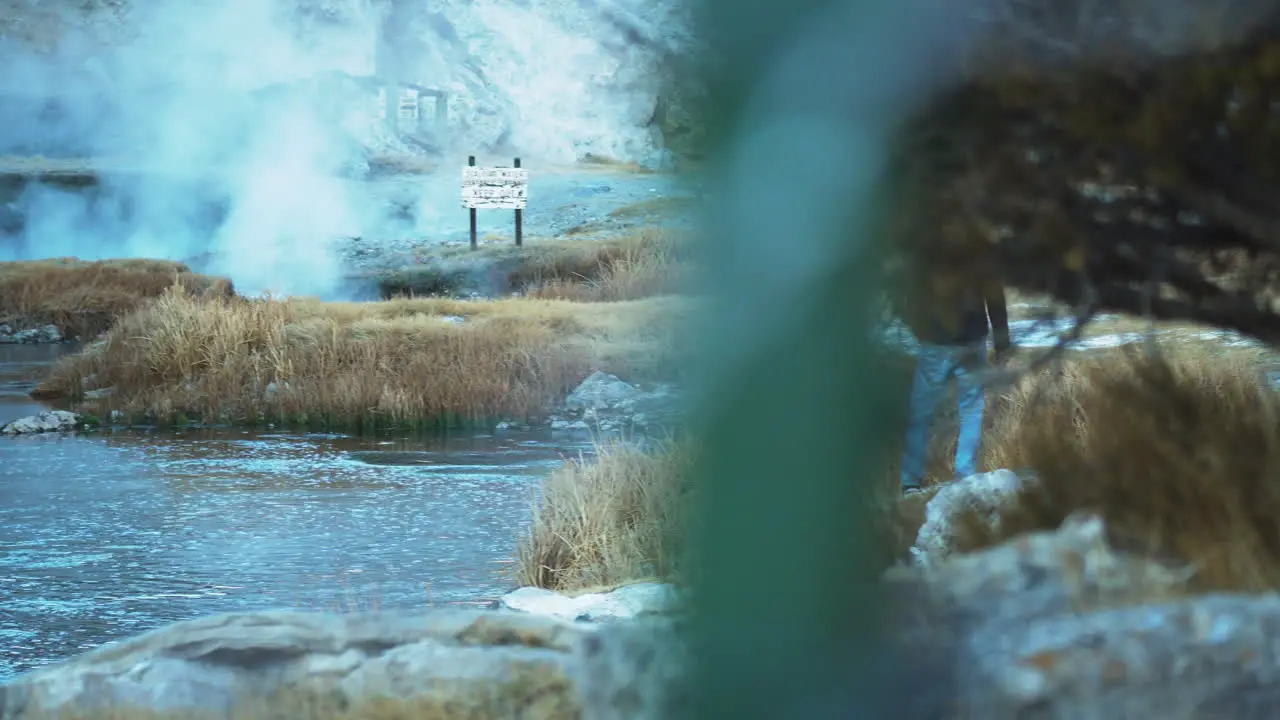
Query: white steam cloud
x=228 y=129
x=209 y=142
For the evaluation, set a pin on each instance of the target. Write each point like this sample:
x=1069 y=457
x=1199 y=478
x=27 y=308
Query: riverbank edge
x=602 y=405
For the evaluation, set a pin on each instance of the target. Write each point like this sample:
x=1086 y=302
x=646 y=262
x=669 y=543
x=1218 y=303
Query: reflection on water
x=102 y=537
x=20 y=367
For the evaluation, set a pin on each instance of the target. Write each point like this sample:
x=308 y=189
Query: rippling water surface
x=105 y=536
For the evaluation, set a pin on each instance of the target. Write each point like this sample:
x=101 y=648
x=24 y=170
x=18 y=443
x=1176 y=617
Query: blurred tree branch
x=1121 y=156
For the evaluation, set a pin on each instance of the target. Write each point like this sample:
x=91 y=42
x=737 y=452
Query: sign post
x=495 y=188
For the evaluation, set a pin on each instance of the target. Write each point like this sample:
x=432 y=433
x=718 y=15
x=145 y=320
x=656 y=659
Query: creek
x=107 y=535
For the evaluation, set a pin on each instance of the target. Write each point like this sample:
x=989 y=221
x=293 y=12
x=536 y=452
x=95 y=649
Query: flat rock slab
x=432 y=663
x=622 y=603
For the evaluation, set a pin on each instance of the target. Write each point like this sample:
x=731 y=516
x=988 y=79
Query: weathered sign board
x=495 y=188
x=409 y=106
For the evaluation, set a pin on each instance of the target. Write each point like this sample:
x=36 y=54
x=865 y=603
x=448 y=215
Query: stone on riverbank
x=1057 y=624
x=602 y=391
x=432 y=663
x=606 y=402
x=984 y=493
x=626 y=602
x=42 y=334
x=48 y=421
x=1053 y=625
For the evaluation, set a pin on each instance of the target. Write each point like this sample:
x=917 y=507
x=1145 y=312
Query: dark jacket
x=962 y=312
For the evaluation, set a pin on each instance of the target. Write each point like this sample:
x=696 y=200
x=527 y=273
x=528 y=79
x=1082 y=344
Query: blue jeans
x=935 y=364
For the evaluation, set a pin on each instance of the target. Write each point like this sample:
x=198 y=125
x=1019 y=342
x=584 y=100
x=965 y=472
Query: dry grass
x=524 y=693
x=1182 y=457
x=85 y=298
x=643 y=263
x=360 y=366
x=609 y=520
x=1008 y=406
x=1180 y=453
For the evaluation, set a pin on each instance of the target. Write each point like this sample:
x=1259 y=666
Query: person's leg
x=971 y=396
x=932 y=364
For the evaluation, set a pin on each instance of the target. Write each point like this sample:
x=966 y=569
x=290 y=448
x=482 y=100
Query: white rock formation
x=625 y=602
x=606 y=402
x=42 y=334
x=984 y=492
x=476 y=664
x=45 y=422
x=550 y=79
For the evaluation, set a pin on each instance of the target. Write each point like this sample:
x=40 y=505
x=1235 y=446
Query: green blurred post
x=795 y=413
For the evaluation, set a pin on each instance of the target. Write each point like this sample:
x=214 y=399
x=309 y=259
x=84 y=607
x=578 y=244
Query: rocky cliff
x=547 y=79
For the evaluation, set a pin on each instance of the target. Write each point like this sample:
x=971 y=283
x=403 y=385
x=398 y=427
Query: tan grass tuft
x=1179 y=451
x=644 y=264
x=609 y=520
x=640 y=264
x=364 y=365
x=84 y=298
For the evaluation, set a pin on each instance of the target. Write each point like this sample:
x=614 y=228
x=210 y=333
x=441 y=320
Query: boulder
x=45 y=422
x=1048 y=625
x=1072 y=569
x=430 y=663
x=1058 y=625
x=42 y=334
x=635 y=670
x=606 y=402
x=983 y=492
x=602 y=391
x=626 y=602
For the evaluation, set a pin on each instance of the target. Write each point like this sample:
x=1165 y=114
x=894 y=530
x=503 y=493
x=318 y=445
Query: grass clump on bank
x=84 y=298
x=363 y=366
x=1179 y=452
x=611 y=519
x=646 y=263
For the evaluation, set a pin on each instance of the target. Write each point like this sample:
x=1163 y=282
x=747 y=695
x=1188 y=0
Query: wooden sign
x=500 y=188
x=409 y=106
x=495 y=188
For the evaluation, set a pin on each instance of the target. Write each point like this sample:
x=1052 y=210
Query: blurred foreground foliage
x=1119 y=156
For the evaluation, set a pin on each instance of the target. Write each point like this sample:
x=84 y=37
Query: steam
x=557 y=71
x=216 y=147
x=229 y=133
